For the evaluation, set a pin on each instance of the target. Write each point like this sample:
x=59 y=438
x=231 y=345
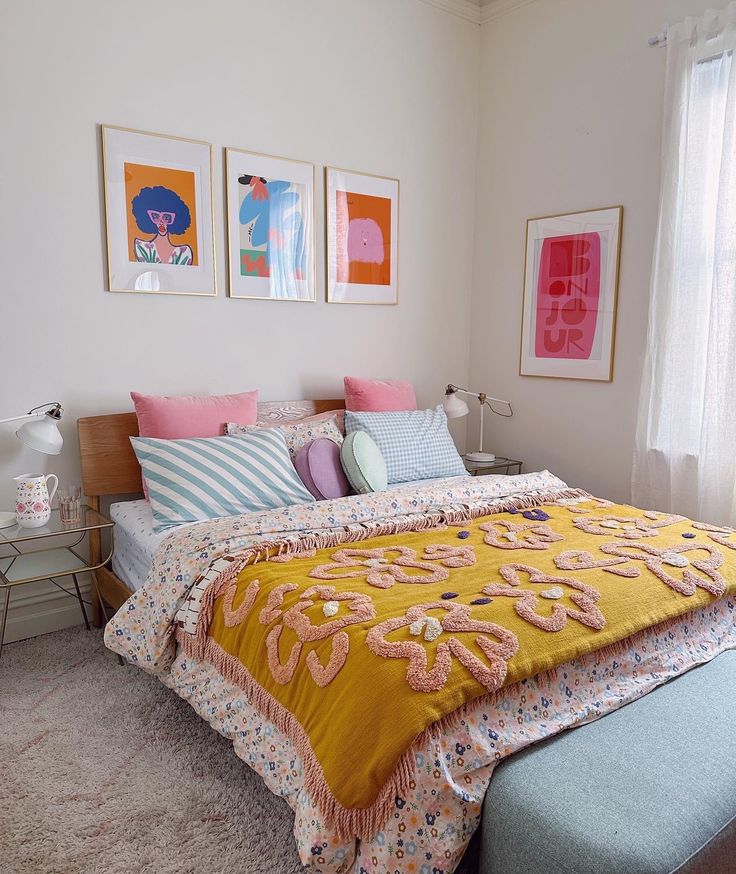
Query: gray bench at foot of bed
x=648 y=789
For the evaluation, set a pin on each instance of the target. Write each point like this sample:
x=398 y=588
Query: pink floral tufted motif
x=580 y=560
x=666 y=562
x=584 y=597
x=347 y=608
x=381 y=567
x=505 y=534
x=720 y=534
x=627 y=527
x=427 y=627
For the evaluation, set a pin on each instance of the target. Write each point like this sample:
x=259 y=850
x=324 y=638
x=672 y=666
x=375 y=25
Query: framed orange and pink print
x=159 y=213
x=362 y=237
x=568 y=323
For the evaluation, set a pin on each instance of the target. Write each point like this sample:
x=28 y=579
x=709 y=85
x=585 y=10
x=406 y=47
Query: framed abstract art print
x=159 y=214
x=270 y=227
x=362 y=237
x=570 y=290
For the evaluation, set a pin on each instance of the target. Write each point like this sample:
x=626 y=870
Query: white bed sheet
x=136 y=542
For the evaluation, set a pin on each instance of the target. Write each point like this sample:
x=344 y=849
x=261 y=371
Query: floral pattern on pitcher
x=32 y=499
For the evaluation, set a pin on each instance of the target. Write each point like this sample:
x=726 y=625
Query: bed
x=427 y=815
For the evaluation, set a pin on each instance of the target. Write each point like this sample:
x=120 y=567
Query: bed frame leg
x=95 y=554
x=96 y=603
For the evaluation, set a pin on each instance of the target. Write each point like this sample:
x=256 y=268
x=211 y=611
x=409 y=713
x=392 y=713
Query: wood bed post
x=95 y=554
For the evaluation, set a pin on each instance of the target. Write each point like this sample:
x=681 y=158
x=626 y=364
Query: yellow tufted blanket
x=355 y=648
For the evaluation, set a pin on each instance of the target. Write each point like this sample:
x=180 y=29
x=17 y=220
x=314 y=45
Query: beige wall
x=387 y=86
x=571 y=108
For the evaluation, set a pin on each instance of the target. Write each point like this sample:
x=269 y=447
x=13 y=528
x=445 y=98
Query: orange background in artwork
x=349 y=205
x=139 y=176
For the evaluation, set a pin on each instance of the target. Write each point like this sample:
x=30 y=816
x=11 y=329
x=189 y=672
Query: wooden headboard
x=109 y=465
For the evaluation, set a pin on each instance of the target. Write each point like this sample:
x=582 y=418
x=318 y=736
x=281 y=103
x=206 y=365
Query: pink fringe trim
x=347 y=822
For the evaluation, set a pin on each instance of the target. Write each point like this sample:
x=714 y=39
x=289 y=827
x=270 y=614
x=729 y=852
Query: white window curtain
x=685 y=456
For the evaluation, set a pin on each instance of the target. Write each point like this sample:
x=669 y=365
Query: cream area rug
x=105 y=771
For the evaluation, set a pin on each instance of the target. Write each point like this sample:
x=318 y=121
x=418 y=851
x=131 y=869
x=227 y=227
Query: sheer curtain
x=685 y=456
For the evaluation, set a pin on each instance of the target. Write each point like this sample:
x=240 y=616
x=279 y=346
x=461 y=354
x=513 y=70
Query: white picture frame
x=570 y=295
x=148 y=175
x=361 y=211
x=271 y=231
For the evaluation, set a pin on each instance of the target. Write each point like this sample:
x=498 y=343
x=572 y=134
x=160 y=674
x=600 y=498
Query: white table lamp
x=455 y=407
x=41 y=433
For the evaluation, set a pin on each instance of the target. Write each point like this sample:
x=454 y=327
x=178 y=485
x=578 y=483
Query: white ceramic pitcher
x=32 y=498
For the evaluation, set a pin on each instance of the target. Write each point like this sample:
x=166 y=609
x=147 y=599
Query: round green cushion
x=363 y=463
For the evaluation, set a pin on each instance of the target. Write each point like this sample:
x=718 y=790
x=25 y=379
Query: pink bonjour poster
x=570 y=293
x=568 y=296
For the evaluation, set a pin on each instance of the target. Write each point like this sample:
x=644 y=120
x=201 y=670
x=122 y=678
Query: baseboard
x=40 y=608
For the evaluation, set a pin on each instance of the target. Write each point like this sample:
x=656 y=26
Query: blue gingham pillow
x=415 y=443
x=208 y=477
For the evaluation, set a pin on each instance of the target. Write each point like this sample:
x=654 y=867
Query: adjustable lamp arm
x=483 y=398
x=460 y=408
x=55 y=412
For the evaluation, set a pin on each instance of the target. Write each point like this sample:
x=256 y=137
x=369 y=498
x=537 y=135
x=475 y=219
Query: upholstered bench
x=648 y=789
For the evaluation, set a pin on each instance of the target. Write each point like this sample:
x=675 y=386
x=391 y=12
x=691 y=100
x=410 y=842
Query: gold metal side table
x=500 y=465
x=28 y=555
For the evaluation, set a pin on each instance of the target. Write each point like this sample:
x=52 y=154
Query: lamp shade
x=454 y=406
x=41 y=434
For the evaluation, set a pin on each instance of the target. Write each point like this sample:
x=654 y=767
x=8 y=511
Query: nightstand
x=500 y=465
x=28 y=555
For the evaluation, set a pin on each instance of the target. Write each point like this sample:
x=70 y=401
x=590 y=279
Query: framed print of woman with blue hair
x=158 y=207
x=270 y=216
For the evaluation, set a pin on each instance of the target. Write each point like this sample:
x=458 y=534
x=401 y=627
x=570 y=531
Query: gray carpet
x=102 y=769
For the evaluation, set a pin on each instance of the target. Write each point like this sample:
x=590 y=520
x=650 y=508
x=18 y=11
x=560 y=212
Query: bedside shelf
x=28 y=555
x=501 y=465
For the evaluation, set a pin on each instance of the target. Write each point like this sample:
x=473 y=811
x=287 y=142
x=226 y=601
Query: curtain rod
x=659 y=40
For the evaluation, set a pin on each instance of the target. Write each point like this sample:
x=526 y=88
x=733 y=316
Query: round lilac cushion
x=318 y=465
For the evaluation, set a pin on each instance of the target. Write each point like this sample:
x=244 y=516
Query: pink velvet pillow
x=378 y=395
x=177 y=418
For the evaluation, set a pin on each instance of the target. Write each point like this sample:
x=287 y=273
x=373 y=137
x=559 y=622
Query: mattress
x=136 y=541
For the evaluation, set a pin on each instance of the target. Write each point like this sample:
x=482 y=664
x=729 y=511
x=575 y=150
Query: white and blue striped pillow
x=209 y=477
x=415 y=444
